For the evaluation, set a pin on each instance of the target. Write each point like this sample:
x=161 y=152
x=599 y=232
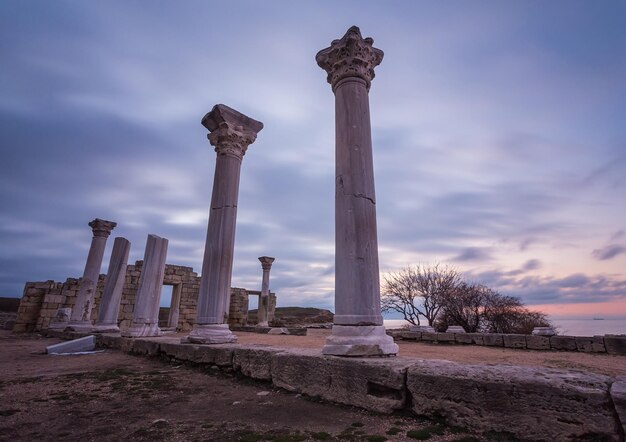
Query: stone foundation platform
x=532 y=403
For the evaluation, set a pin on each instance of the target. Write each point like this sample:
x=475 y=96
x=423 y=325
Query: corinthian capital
x=231 y=131
x=350 y=56
x=101 y=227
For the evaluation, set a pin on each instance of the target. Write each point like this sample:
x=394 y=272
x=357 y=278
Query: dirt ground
x=114 y=396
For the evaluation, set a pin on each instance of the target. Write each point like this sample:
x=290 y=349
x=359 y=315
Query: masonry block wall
x=41 y=300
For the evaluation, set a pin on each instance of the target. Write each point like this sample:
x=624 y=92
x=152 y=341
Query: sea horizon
x=565 y=327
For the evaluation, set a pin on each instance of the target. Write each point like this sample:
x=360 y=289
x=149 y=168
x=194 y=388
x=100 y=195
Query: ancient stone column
x=112 y=294
x=81 y=312
x=264 y=299
x=231 y=133
x=146 y=313
x=357 y=329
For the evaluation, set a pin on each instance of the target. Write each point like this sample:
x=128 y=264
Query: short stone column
x=113 y=287
x=80 y=319
x=264 y=299
x=231 y=133
x=145 y=320
x=357 y=329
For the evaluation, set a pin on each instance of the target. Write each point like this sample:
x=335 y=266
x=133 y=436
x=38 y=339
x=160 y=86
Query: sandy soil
x=114 y=396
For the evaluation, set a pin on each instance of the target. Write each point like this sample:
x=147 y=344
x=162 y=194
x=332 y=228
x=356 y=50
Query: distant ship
x=598 y=319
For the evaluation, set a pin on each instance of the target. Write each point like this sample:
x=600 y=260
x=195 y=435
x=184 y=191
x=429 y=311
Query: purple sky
x=499 y=133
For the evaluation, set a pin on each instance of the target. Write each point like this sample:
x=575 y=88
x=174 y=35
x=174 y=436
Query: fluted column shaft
x=81 y=312
x=357 y=330
x=231 y=133
x=264 y=299
x=220 y=242
x=113 y=287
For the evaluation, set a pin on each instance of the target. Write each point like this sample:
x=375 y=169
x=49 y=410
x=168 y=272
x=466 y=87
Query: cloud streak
x=498 y=138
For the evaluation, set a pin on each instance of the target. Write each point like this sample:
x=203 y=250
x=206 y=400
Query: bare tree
x=418 y=291
x=464 y=306
x=478 y=308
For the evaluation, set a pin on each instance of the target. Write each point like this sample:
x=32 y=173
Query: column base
x=58 y=325
x=106 y=328
x=79 y=326
x=359 y=340
x=141 y=330
x=263 y=324
x=209 y=334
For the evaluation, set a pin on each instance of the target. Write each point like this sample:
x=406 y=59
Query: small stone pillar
x=231 y=133
x=357 y=329
x=264 y=299
x=80 y=319
x=112 y=294
x=146 y=313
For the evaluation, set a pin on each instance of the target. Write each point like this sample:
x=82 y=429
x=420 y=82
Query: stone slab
x=567 y=343
x=255 y=361
x=493 y=340
x=615 y=344
x=445 y=338
x=220 y=355
x=618 y=396
x=429 y=337
x=590 y=344
x=477 y=338
x=376 y=384
x=145 y=347
x=464 y=338
x=86 y=343
x=537 y=342
x=514 y=341
x=532 y=403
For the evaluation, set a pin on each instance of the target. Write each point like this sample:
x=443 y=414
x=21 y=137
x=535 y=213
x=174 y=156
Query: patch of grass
x=375 y=438
x=393 y=431
x=207 y=425
x=9 y=412
x=425 y=433
x=467 y=439
x=357 y=424
x=500 y=436
x=457 y=430
x=288 y=438
x=398 y=423
x=250 y=437
x=322 y=435
x=112 y=374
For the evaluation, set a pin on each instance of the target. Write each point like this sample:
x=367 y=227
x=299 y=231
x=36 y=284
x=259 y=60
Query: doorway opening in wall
x=169 y=305
x=253 y=309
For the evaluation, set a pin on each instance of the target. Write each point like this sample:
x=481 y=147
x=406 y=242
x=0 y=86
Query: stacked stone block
x=612 y=344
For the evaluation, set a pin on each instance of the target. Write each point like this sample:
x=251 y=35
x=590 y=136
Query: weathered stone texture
x=618 y=396
x=537 y=342
x=594 y=344
x=493 y=340
x=532 y=403
x=615 y=344
x=563 y=343
x=514 y=341
x=254 y=362
x=374 y=384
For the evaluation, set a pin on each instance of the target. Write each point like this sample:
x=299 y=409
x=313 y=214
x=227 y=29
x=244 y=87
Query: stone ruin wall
x=41 y=300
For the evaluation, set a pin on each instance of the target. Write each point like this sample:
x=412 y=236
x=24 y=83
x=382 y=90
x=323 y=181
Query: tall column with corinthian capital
x=231 y=133
x=264 y=299
x=358 y=325
x=81 y=312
